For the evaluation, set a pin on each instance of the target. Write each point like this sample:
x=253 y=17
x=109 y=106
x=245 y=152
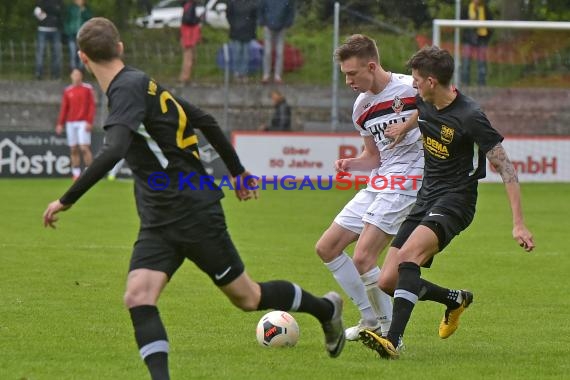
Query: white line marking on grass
x=70 y=246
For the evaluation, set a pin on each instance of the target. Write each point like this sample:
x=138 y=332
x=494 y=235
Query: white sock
x=380 y=301
x=76 y=172
x=345 y=273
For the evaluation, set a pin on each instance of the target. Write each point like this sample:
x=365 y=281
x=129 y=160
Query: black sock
x=433 y=292
x=151 y=339
x=157 y=365
x=405 y=298
x=286 y=296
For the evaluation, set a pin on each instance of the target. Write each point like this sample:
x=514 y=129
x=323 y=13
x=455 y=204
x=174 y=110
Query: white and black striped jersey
x=372 y=114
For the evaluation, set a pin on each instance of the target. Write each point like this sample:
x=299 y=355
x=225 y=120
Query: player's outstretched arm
x=245 y=184
x=206 y=123
x=117 y=141
x=369 y=158
x=498 y=157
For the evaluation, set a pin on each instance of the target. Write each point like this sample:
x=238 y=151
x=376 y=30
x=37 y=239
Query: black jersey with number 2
x=170 y=180
x=455 y=139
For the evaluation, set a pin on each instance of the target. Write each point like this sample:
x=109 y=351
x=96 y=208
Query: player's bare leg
x=86 y=154
x=389 y=275
x=244 y=293
x=75 y=156
x=333 y=242
x=187 y=63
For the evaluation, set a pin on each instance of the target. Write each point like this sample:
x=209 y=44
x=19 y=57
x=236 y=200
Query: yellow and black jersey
x=455 y=140
x=155 y=132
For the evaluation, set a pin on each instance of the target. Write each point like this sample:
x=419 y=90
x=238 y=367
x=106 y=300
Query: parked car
x=168 y=13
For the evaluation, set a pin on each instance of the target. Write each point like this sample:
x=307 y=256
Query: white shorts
x=77 y=133
x=386 y=211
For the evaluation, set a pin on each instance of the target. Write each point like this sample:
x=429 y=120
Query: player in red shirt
x=77 y=113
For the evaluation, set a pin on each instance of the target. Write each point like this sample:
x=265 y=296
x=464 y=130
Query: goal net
x=527 y=90
x=520 y=53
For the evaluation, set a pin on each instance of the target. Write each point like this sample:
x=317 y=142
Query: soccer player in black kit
x=154 y=131
x=457 y=138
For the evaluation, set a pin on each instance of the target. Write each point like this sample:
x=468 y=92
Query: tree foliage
x=17 y=20
x=549 y=10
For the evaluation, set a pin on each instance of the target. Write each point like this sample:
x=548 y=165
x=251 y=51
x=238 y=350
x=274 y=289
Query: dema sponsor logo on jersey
x=435 y=147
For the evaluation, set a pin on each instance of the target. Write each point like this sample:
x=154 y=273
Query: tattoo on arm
x=498 y=157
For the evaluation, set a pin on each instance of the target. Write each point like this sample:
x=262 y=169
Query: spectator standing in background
x=242 y=17
x=76 y=14
x=77 y=114
x=50 y=18
x=281 y=119
x=190 y=34
x=275 y=16
x=475 y=42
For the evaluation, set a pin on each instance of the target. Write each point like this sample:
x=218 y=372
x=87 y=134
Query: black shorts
x=202 y=238
x=446 y=216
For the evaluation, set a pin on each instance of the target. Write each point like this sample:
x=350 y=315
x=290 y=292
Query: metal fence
x=162 y=59
x=511 y=60
x=17 y=58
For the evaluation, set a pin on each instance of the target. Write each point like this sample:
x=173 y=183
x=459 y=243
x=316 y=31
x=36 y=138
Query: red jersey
x=77 y=104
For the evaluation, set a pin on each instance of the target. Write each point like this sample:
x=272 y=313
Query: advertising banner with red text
x=537 y=159
x=294 y=154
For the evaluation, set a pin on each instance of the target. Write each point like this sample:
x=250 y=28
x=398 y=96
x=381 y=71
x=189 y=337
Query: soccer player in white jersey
x=375 y=213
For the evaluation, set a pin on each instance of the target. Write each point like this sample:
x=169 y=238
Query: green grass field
x=61 y=312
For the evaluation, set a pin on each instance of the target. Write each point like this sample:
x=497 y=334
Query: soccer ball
x=277 y=329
